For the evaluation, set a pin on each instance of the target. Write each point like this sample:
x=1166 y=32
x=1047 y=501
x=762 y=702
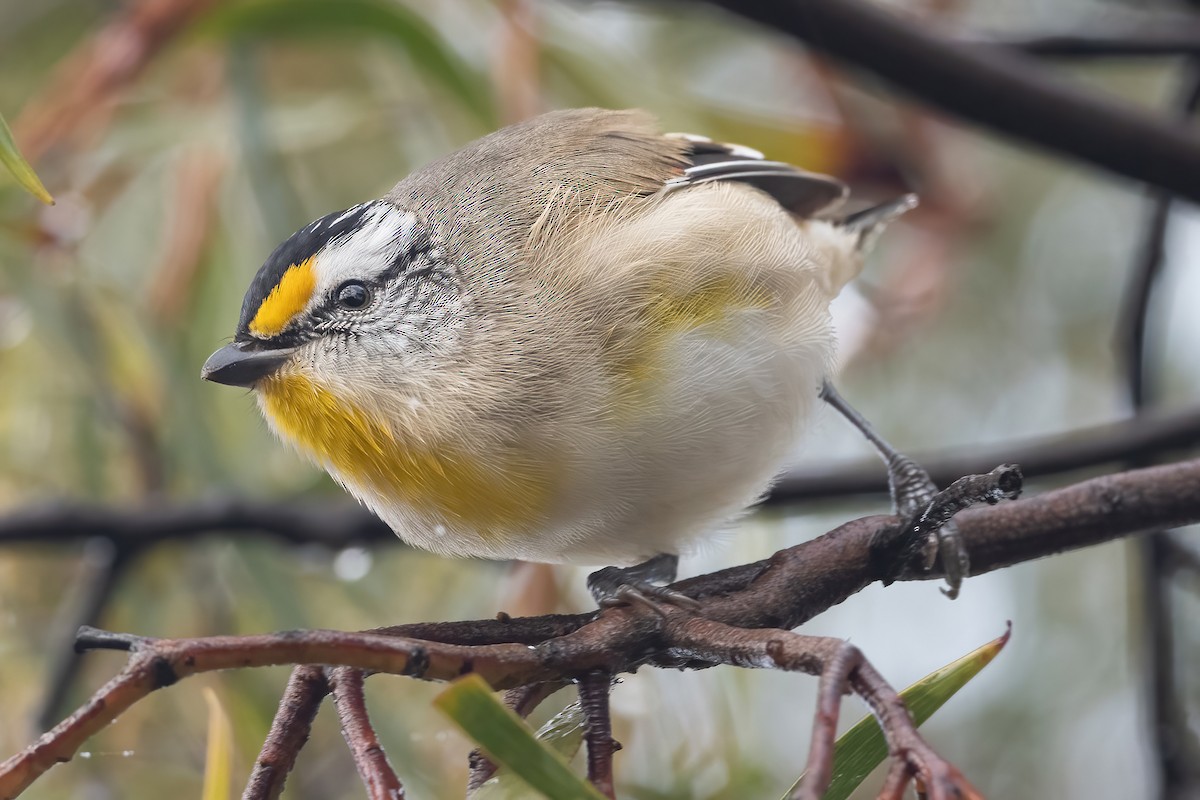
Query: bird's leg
x=614 y=586
x=912 y=489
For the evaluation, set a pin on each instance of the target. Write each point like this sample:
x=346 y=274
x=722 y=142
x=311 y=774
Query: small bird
x=575 y=340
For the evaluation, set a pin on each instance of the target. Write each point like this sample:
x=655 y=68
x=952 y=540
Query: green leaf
x=11 y=157
x=563 y=733
x=392 y=21
x=862 y=748
x=470 y=702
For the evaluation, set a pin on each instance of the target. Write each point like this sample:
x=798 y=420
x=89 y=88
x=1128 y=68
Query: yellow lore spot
x=438 y=480
x=286 y=300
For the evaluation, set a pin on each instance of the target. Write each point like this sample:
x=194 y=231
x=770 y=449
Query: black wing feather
x=801 y=192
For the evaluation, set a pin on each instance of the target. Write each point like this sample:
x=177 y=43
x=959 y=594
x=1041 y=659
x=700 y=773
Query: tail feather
x=869 y=223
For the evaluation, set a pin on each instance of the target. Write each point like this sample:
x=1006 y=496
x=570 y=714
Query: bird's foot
x=913 y=494
x=929 y=531
x=616 y=586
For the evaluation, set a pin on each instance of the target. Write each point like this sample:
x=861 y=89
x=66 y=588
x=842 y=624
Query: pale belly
x=659 y=475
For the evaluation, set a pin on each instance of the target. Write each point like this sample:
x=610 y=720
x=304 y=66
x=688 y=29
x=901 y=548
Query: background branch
x=990 y=86
x=1175 y=746
x=1171 y=37
x=340 y=524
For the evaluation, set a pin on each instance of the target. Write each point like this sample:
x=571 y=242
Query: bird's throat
x=493 y=493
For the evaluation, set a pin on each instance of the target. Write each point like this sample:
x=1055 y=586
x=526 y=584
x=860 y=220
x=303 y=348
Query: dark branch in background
x=997 y=88
x=1175 y=747
x=103 y=566
x=336 y=524
x=1143 y=437
x=1176 y=37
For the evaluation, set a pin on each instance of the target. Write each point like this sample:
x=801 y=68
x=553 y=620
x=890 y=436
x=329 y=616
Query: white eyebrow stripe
x=349 y=212
x=384 y=234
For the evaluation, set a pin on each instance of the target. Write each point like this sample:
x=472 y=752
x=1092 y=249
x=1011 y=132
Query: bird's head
x=352 y=303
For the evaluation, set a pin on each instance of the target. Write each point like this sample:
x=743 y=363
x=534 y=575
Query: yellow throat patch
x=438 y=481
x=289 y=297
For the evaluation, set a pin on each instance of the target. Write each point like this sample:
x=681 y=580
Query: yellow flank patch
x=439 y=481
x=286 y=300
x=640 y=360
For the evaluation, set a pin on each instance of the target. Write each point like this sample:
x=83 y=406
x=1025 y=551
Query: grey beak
x=238 y=365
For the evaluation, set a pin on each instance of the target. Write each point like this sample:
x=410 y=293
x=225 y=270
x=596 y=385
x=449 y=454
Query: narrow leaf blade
x=470 y=703
x=11 y=157
x=219 y=750
x=862 y=748
x=563 y=734
x=275 y=19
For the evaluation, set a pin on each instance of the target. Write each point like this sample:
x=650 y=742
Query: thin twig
x=899 y=776
x=1147 y=436
x=834 y=681
x=594 y=688
x=376 y=772
x=841 y=667
x=289 y=732
x=156 y=663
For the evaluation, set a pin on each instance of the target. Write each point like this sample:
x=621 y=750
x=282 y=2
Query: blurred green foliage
x=18 y=167
x=260 y=116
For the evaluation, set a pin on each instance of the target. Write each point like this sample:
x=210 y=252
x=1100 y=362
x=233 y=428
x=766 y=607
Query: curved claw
x=649 y=596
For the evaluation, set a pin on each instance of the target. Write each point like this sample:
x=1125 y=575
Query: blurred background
x=183 y=139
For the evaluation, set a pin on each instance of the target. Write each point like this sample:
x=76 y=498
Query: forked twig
x=594 y=688
x=376 y=772
x=290 y=730
x=841 y=667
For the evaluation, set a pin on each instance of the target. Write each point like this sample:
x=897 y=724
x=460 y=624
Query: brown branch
x=991 y=86
x=156 y=663
x=289 y=732
x=781 y=592
x=841 y=667
x=594 y=689
x=377 y=774
x=797 y=583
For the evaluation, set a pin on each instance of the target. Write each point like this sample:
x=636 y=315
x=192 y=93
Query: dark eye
x=352 y=294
